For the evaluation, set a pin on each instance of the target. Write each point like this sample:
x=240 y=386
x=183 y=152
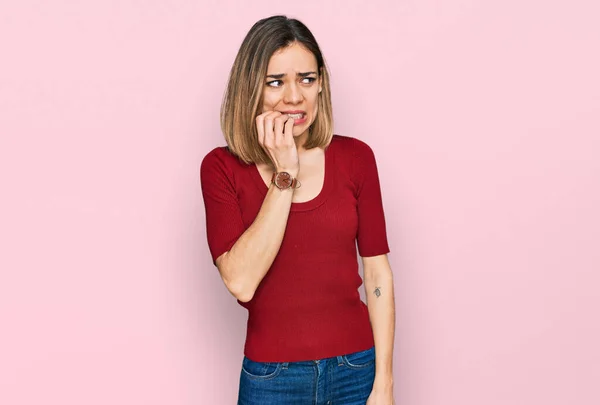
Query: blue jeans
x=340 y=380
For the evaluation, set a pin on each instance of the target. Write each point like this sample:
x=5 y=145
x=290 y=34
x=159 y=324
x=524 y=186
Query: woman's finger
x=268 y=128
x=288 y=134
x=278 y=131
x=260 y=128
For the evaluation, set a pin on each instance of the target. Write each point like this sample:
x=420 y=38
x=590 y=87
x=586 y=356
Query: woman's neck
x=301 y=141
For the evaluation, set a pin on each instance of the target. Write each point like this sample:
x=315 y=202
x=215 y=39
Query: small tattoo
x=377 y=292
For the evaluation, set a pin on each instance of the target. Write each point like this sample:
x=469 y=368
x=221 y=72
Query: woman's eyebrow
x=301 y=74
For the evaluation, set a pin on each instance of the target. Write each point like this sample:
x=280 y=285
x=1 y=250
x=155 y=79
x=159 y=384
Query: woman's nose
x=292 y=94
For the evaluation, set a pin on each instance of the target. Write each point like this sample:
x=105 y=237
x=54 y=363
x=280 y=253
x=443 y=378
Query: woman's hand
x=381 y=395
x=276 y=138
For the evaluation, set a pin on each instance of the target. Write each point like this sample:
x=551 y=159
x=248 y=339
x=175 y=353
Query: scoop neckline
x=305 y=205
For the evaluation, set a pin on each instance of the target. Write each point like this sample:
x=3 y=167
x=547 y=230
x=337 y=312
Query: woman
x=287 y=202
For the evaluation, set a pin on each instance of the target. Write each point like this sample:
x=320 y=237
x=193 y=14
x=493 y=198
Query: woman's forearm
x=379 y=288
x=246 y=263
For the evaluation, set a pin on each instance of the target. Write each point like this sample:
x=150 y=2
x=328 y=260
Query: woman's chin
x=299 y=130
x=298 y=134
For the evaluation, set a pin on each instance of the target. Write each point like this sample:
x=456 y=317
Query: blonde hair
x=243 y=96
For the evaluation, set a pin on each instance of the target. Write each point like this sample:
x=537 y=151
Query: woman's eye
x=278 y=83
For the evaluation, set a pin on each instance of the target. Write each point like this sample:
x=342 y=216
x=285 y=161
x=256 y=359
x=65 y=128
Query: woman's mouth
x=298 y=118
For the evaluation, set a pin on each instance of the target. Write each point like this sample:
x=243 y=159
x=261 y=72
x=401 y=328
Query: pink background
x=484 y=117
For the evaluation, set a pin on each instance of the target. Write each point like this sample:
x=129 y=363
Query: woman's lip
x=300 y=120
x=294 y=112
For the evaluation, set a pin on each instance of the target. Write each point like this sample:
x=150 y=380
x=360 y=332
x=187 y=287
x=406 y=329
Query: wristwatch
x=283 y=181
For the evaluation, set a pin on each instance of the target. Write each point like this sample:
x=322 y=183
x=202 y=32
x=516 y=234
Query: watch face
x=283 y=180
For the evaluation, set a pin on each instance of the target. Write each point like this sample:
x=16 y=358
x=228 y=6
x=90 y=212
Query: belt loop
x=340 y=360
x=285 y=365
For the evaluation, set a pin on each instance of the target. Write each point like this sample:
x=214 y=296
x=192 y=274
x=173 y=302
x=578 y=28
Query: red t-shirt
x=307 y=306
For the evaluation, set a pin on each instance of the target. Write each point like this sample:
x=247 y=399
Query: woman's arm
x=246 y=263
x=379 y=286
x=243 y=267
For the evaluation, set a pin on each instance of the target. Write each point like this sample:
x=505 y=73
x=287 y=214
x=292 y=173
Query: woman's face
x=292 y=86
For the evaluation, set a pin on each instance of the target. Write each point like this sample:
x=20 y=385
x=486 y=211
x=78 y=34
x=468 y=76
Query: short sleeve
x=371 y=235
x=224 y=224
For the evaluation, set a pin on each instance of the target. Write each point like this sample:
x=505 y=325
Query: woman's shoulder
x=352 y=147
x=221 y=161
x=221 y=156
